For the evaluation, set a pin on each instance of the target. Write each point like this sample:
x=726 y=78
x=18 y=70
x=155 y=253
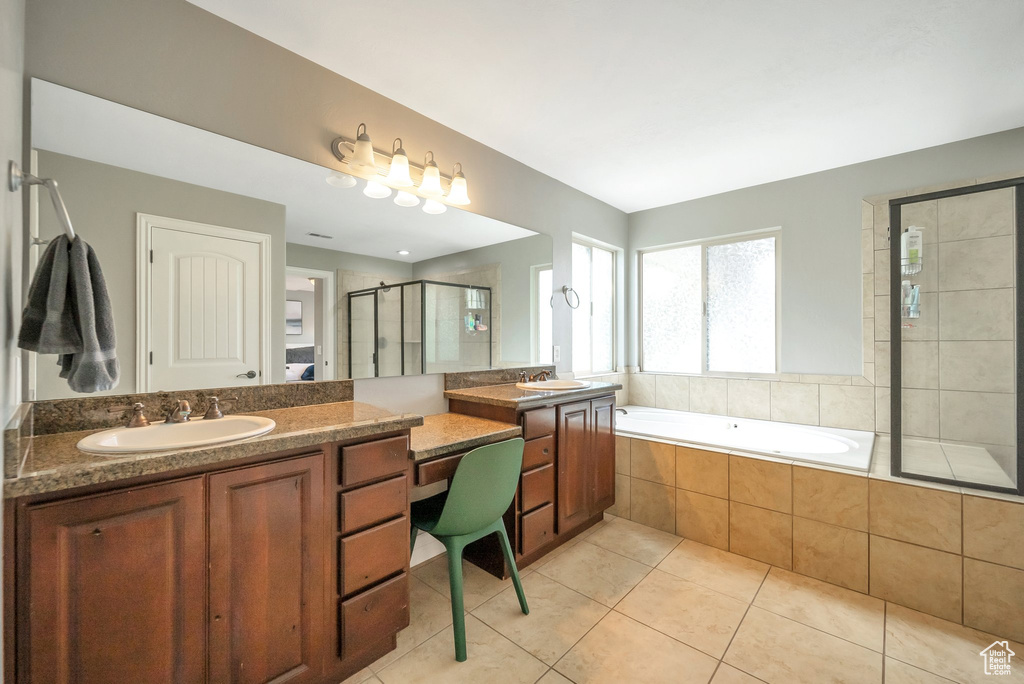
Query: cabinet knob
x=545 y=452
x=97 y=532
x=216 y=618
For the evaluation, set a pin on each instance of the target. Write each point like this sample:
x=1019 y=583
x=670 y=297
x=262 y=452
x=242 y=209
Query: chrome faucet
x=540 y=377
x=180 y=413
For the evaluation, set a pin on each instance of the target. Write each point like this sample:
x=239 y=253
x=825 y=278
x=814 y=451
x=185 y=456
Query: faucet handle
x=138 y=418
x=214 y=411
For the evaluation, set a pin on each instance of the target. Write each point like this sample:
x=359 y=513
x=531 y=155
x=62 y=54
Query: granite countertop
x=510 y=396
x=447 y=433
x=54 y=462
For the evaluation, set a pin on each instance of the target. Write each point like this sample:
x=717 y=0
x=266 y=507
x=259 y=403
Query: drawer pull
x=97 y=532
x=546 y=451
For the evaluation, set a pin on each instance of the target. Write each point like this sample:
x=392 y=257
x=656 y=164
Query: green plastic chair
x=472 y=508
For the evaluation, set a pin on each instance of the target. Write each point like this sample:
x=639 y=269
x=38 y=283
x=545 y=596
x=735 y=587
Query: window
x=593 y=322
x=710 y=307
x=541 y=308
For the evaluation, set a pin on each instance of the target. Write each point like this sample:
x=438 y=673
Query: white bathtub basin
x=167 y=436
x=557 y=385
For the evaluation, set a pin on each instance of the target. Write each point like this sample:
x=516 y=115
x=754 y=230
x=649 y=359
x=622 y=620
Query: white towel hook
x=17 y=178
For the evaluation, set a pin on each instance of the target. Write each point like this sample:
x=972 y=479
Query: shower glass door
x=362 y=335
x=954 y=336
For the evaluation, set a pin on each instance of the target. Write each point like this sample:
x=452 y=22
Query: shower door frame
x=896 y=334
x=401 y=321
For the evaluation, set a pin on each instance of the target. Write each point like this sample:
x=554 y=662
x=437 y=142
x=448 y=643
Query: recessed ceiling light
x=403 y=252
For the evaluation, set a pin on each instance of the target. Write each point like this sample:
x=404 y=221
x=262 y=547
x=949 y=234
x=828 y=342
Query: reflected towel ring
x=565 y=293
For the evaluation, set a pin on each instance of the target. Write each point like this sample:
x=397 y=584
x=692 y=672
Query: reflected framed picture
x=292 y=317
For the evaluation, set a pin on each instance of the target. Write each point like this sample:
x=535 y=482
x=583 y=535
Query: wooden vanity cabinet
x=290 y=567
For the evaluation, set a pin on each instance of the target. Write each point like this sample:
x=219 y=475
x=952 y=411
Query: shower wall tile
x=749 y=399
x=673 y=392
x=923 y=215
x=920 y=367
x=976 y=264
x=882 y=322
x=920 y=413
x=709 y=395
x=847 y=407
x=867 y=256
x=976 y=315
x=976 y=366
x=983 y=214
x=881 y=272
x=794 y=403
x=927 y=326
x=867 y=293
x=882 y=410
x=882 y=368
x=978 y=417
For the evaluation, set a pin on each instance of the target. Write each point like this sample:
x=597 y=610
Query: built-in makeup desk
x=438 y=445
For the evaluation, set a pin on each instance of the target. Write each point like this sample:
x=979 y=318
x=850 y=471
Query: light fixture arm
x=342 y=149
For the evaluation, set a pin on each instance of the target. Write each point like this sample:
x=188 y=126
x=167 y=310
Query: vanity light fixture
x=431 y=183
x=432 y=206
x=362 y=152
x=398 y=174
x=376 y=190
x=458 y=192
x=341 y=180
x=406 y=199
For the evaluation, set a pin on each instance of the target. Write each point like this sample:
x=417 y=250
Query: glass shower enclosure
x=955 y=329
x=417 y=328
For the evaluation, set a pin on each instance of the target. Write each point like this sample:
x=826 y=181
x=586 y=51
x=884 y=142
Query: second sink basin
x=553 y=385
x=164 y=436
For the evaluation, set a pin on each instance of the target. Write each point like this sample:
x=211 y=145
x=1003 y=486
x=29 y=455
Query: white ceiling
x=652 y=102
x=81 y=125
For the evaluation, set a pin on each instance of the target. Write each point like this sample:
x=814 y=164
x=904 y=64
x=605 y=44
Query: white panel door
x=204 y=311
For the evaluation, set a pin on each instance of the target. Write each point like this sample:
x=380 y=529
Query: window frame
x=615 y=253
x=704 y=243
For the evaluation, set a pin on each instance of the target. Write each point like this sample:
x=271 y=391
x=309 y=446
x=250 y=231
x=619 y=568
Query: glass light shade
x=458 y=193
x=376 y=190
x=341 y=180
x=431 y=184
x=406 y=199
x=434 y=207
x=362 y=155
x=398 y=174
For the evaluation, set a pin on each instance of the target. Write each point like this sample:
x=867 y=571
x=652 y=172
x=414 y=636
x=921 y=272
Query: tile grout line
x=738 y=626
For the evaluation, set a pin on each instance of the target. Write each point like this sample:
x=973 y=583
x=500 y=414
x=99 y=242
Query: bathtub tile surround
x=893 y=539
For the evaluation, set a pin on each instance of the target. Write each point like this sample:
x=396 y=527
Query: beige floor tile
x=597 y=573
x=429 y=613
x=478 y=585
x=837 y=555
x=939 y=646
x=994 y=598
x=928 y=517
x=761 y=534
x=840 y=612
x=897 y=672
x=685 y=611
x=492 y=658
x=620 y=650
x=831 y=497
x=706 y=472
x=722 y=571
x=551 y=555
x=559 y=617
x=727 y=674
x=761 y=483
x=553 y=677
x=636 y=541
x=702 y=518
x=364 y=675
x=917 y=577
x=776 y=649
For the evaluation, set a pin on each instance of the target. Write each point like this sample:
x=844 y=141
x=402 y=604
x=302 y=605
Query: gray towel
x=68 y=313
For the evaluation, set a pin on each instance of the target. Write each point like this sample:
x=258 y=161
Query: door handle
x=251 y=374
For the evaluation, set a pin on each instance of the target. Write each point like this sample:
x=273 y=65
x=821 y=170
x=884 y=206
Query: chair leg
x=458 y=612
x=513 y=570
x=412 y=539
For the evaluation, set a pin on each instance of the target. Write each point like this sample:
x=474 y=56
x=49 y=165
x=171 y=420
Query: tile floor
x=628 y=603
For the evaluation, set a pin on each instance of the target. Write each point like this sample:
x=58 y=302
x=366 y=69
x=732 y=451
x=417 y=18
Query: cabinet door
x=116 y=587
x=602 y=458
x=267 y=572
x=574 y=440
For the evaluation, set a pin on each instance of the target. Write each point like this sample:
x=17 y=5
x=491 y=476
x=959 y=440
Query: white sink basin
x=164 y=436
x=556 y=385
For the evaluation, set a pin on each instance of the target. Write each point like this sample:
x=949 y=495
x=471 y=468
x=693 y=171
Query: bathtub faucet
x=624 y=411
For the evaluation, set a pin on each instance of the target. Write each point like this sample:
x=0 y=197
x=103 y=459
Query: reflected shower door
x=362 y=338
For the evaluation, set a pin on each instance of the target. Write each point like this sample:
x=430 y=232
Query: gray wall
x=307 y=298
x=103 y=201
x=516 y=258
x=173 y=59
x=820 y=216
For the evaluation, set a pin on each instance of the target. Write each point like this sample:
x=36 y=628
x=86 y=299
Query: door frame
x=145 y=223
x=330 y=317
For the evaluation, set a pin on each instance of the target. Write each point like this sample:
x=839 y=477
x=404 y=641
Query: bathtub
x=825 y=446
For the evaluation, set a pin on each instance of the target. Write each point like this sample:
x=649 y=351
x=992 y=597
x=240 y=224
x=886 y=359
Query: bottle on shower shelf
x=911 y=254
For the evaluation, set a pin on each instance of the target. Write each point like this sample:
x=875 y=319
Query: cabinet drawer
x=538 y=452
x=437 y=469
x=538 y=487
x=359 y=508
x=538 y=528
x=373 y=460
x=538 y=422
x=373 y=615
x=367 y=557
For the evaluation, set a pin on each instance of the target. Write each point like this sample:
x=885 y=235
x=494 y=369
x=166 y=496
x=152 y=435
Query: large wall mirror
x=229 y=264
